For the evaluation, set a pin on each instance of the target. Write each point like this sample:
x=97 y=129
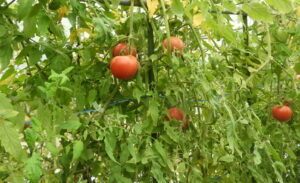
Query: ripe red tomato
x=175 y=113
x=176 y=43
x=124 y=67
x=123 y=49
x=298 y=77
x=282 y=113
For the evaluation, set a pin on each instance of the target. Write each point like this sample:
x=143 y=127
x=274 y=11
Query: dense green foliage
x=239 y=60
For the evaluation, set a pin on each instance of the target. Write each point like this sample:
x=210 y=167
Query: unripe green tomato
x=282 y=35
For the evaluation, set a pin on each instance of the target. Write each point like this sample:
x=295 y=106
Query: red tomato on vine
x=124 y=67
x=282 y=113
x=175 y=113
x=176 y=44
x=123 y=49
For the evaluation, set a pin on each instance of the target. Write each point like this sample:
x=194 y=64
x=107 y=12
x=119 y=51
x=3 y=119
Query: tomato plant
x=124 y=67
x=123 y=49
x=282 y=113
x=61 y=63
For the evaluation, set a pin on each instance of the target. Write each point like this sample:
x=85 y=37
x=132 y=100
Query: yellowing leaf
x=169 y=3
x=152 y=6
x=73 y=36
x=184 y=3
x=7 y=80
x=298 y=11
x=81 y=30
x=197 y=20
x=62 y=11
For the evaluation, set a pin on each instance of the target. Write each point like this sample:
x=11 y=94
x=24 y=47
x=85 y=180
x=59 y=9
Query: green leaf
x=115 y=3
x=171 y=132
x=110 y=142
x=153 y=109
x=156 y=170
x=158 y=146
x=283 y=6
x=258 y=11
x=24 y=8
x=43 y=24
x=2 y=30
x=77 y=149
x=92 y=96
x=257 y=157
x=5 y=102
x=29 y=26
x=15 y=177
x=34 y=56
x=30 y=137
x=229 y=5
x=33 y=167
x=272 y=152
x=177 y=7
x=52 y=148
x=227 y=158
x=124 y=155
x=7 y=113
x=137 y=93
x=9 y=138
x=71 y=125
x=297 y=67
x=6 y=54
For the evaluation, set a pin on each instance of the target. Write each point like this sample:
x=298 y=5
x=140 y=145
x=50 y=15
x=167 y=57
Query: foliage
x=55 y=57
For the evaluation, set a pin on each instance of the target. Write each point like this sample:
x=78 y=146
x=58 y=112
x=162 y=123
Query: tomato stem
x=167 y=27
x=131 y=25
x=200 y=46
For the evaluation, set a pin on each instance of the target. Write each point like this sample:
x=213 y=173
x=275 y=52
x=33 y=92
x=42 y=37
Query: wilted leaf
x=298 y=11
x=197 y=20
x=152 y=6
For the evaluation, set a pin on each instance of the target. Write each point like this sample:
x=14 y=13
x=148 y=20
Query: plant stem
x=150 y=52
x=167 y=27
x=113 y=93
x=131 y=25
x=200 y=46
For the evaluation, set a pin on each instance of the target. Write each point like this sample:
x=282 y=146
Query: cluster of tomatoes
x=125 y=65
